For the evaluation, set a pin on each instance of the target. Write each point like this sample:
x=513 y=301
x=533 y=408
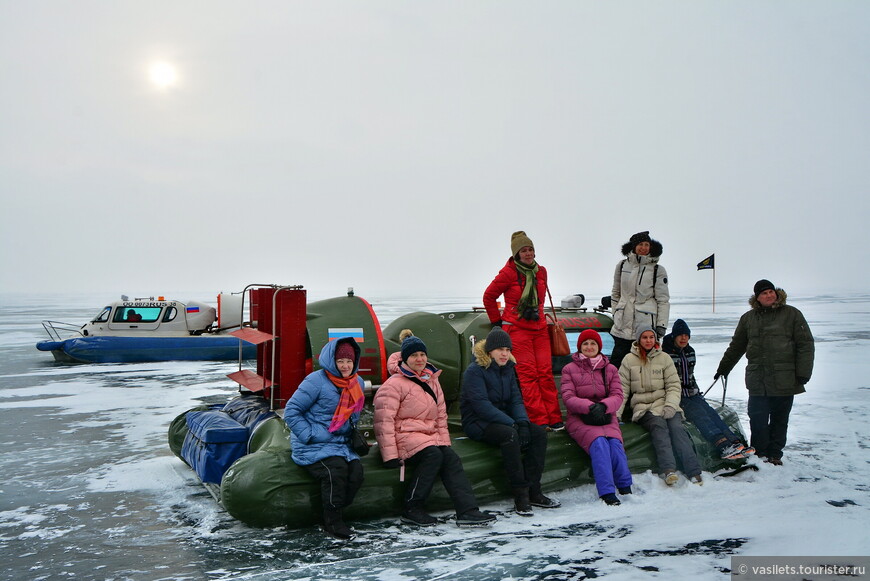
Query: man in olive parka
x=779 y=352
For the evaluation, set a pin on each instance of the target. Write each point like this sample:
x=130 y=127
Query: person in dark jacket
x=493 y=412
x=694 y=406
x=319 y=415
x=779 y=350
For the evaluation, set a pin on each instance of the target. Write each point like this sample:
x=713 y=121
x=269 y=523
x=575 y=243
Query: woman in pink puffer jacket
x=411 y=429
x=592 y=392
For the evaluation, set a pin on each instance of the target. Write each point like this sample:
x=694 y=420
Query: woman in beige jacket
x=652 y=389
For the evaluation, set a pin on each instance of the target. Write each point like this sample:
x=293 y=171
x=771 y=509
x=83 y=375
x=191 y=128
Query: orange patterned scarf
x=352 y=399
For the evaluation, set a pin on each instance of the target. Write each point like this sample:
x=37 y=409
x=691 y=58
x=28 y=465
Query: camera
x=530 y=314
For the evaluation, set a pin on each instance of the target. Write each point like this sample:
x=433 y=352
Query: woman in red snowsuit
x=524 y=285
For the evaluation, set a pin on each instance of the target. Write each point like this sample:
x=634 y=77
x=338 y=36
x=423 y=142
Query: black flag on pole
x=707 y=263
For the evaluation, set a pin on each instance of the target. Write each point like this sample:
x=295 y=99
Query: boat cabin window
x=170 y=314
x=136 y=314
x=103 y=316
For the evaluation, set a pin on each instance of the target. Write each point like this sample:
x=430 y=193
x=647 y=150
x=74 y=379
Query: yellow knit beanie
x=518 y=240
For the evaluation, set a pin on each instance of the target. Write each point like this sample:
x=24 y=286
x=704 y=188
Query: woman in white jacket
x=640 y=294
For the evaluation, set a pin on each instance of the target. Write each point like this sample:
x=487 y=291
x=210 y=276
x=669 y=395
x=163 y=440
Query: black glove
x=525 y=436
x=598 y=411
x=719 y=374
x=394 y=463
x=496 y=324
x=802 y=380
x=660 y=332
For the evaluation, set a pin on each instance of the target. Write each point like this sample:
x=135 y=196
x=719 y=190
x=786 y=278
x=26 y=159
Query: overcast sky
x=395 y=146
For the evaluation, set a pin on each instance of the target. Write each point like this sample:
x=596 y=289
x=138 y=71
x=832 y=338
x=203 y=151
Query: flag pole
x=714 y=290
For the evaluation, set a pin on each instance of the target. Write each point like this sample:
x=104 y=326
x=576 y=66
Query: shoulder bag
x=357 y=440
x=558 y=339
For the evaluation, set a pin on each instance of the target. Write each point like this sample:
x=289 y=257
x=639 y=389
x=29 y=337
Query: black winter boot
x=537 y=498
x=415 y=515
x=521 y=502
x=474 y=518
x=333 y=525
x=610 y=499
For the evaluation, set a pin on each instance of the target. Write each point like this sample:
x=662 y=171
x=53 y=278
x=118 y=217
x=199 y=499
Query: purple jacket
x=581 y=387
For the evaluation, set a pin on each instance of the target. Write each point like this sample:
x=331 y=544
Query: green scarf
x=529 y=298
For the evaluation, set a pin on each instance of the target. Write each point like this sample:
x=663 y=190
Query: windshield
x=103 y=316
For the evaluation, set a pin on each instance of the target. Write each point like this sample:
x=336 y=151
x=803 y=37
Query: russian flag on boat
x=339 y=332
x=192 y=309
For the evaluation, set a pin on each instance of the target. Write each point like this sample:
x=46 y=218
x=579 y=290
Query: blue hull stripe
x=143 y=349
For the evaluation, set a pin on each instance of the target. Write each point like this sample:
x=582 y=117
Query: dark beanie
x=345 y=351
x=589 y=334
x=762 y=286
x=638 y=238
x=680 y=328
x=411 y=345
x=497 y=339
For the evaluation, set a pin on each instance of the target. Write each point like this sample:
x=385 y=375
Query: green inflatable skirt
x=264 y=488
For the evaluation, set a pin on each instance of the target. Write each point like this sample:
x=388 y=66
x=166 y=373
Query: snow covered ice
x=90 y=489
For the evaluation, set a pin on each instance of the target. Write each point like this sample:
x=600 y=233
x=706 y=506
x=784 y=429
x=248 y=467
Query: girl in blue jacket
x=319 y=415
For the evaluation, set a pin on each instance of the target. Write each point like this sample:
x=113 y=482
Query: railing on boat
x=578 y=308
x=265 y=376
x=55 y=328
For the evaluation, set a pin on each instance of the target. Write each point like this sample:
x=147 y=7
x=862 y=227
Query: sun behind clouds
x=163 y=75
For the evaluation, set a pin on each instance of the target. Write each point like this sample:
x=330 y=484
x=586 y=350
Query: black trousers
x=339 y=480
x=523 y=466
x=768 y=423
x=439 y=462
x=621 y=348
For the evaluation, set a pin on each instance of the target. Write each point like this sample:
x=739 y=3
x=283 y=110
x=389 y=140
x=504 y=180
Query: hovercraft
x=241 y=450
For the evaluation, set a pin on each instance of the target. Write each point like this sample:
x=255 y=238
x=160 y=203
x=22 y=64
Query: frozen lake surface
x=90 y=489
